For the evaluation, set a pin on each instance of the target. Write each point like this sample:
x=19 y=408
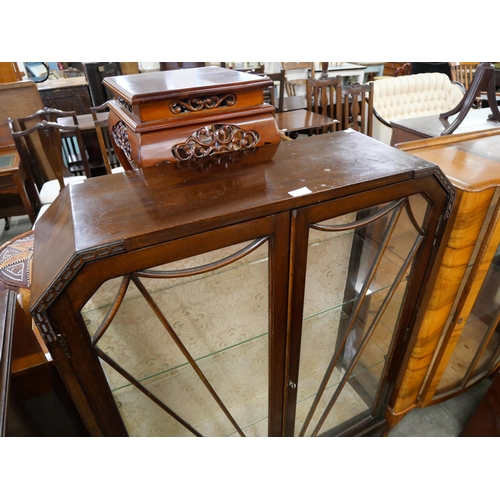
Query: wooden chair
x=73 y=147
x=255 y=70
x=302 y=72
x=403 y=70
x=463 y=72
x=50 y=134
x=316 y=118
x=18 y=99
x=320 y=96
x=100 y=117
x=95 y=73
x=166 y=66
x=355 y=107
x=278 y=80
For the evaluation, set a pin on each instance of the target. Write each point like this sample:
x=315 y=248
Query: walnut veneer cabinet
x=272 y=294
x=188 y=113
x=459 y=342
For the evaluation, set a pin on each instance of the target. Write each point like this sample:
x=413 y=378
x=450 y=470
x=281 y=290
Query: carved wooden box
x=189 y=113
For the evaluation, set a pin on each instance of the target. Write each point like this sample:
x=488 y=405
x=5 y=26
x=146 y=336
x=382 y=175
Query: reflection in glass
x=476 y=351
x=185 y=346
x=357 y=271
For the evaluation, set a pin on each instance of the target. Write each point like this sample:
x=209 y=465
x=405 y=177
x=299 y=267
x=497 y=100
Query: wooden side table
x=422 y=127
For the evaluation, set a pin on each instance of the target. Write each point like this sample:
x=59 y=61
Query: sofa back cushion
x=410 y=96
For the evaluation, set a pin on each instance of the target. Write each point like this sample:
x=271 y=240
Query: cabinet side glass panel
x=196 y=343
x=479 y=340
x=355 y=285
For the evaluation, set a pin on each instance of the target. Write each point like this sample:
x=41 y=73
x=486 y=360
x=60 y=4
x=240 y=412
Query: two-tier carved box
x=186 y=114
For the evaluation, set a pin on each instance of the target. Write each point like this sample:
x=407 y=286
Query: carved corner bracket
x=39 y=309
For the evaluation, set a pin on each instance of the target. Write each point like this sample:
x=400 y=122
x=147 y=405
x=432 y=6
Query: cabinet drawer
x=7 y=181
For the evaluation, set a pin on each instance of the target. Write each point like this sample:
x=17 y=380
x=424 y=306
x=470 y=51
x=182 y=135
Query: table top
x=301 y=119
x=62 y=83
x=433 y=126
x=7 y=161
x=294 y=102
x=85 y=122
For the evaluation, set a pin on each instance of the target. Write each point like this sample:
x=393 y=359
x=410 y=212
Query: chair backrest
x=71 y=73
x=320 y=96
x=254 y=70
x=270 y=94
x=95 y=73
x=60 y=144
x=297 y=74
x=22 y=99
x=355 y=107
x=167 y=66
x=463 y=72
x=403 y=70
x=100 y=117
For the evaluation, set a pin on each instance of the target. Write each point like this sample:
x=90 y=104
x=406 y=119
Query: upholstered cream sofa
x=410 y=96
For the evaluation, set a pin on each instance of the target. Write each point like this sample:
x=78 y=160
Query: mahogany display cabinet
x=273 y=293
x=187 y=114
x=458 y=344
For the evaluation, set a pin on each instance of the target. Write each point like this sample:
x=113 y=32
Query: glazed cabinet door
x=195 y=344
x=353 y=277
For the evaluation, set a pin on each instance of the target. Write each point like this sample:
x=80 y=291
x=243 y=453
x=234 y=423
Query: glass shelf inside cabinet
x=357 y=273
x=477 y=351
x=185 y=346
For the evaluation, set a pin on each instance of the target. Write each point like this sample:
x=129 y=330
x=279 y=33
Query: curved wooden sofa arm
x=460 y=85
x=380 y=119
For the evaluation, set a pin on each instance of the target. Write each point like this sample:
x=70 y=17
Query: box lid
x=161 y=85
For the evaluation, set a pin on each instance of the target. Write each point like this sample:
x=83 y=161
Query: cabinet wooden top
x=161 y=85
x=471 y=160
x=136 y=209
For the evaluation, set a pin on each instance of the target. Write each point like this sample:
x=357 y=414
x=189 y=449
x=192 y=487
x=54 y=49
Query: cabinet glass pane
x=198 y=344
x=355 y=286
x=476 y=349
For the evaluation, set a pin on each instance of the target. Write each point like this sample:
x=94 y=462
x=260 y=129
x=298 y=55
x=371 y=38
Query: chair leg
x=7 y=224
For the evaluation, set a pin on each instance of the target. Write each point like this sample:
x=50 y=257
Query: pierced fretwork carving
x=125 y=104
x=215 y=139
x=120 y=136
x=201 y=103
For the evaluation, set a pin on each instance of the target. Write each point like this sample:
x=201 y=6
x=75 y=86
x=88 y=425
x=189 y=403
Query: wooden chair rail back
x=278 y=80
x=463 y=72
x=321 y=97
x=292 y=83
x=101 y=127
x=355 y=107
x=58 y=143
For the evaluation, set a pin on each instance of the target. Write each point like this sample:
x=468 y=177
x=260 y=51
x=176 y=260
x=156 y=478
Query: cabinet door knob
x=292 y=385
